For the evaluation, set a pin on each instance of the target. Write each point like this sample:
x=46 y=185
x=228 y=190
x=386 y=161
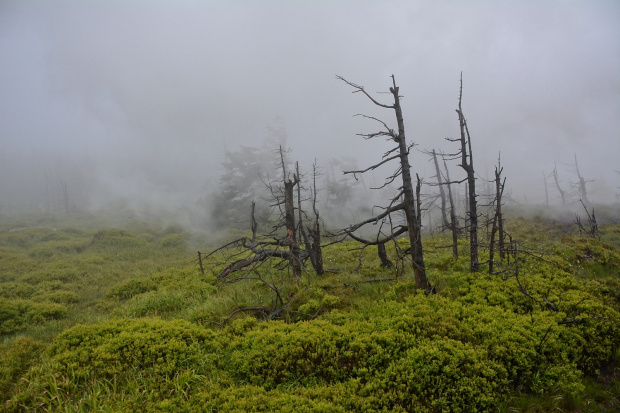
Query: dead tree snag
x=467 y=163
x=498 y=219
x=442 y=193
x=557 y=184
x=580 y=185
x=312 y=242
x=406 y=195
x=289 y=218
x=454 y=224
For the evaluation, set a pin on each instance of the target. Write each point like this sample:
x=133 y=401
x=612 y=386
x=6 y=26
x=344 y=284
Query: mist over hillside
x=135 y=106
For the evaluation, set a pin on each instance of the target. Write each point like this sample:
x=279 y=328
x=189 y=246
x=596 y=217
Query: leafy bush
x=13 y=290
x=441 y=375
x=15 y=359
x=16 y=315
x=484 y=343
x=155 y=303
x=106 y=349
x=60 y=297
x=130 y=288
x=313 y=352
x=173 y=240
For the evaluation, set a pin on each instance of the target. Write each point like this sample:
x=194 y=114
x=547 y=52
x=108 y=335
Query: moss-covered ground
x=95 y=317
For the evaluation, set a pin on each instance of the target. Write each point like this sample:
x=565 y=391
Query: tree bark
x=385 y=261
x=467 y=164
x=582 y=184
x=413 y=222
x=454 y=226
x=498 y=220
x=442 y=193
x=289 y=219
x=408 y=205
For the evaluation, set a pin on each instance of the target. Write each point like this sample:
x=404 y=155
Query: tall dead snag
x=442 y=181
x=580 y=185
x=454 y=224
x=313 y=242
x=467 y=163
x=289 y=218
x=405 y=200
x=557 y=184
x=442 y=193
x=498 y=219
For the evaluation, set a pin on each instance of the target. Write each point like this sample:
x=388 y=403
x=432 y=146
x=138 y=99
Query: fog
x=135 y=103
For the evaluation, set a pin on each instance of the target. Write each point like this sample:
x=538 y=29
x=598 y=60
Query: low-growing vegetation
x=105 y=319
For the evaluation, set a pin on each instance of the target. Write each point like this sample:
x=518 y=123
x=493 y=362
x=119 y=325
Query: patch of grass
x=121 y=319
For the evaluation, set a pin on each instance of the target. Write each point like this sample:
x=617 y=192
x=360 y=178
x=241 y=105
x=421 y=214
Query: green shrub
x=310 y=307
x=155 y=303
x=442 y=375
x=248 y=398
x=313 y=352
x=60 y=297
x=173 y=240
x=14 y=264
x=13 y=290
x=130 y=288
x=15 y=359
x=159 y=347
x=16 y=315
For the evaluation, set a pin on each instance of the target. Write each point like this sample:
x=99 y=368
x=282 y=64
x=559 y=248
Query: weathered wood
x=467 y=163
x=408 y=204
x=442 y=192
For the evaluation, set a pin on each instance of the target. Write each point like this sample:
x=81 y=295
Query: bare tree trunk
x=582 y=184
x=408 y=205
x=453 y=221
x=289 y=219
x=467 y=164
x=313 y=248
x=442 y=193
x=315 y=231
x=498 y=224
x=413 y=221
x=385 y=261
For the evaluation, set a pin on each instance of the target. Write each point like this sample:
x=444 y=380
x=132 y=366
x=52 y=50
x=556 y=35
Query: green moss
x=480 y=344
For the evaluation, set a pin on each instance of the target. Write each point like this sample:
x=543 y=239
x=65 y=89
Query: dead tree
x=593 y=232
x=289 y=218
x=442 y=193
x=257 y=249
x=248 y=253
x=498 y=219
x=580 y=185
x=467 y=163
x=557 y=184
x=454 y=224
x=405 y=200
x=313 y=241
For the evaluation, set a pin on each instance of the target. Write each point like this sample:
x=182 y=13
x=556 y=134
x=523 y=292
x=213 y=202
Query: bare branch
x=361 y=89
x=375 y=166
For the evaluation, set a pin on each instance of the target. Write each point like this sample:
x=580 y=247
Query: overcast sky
x=142 y=98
